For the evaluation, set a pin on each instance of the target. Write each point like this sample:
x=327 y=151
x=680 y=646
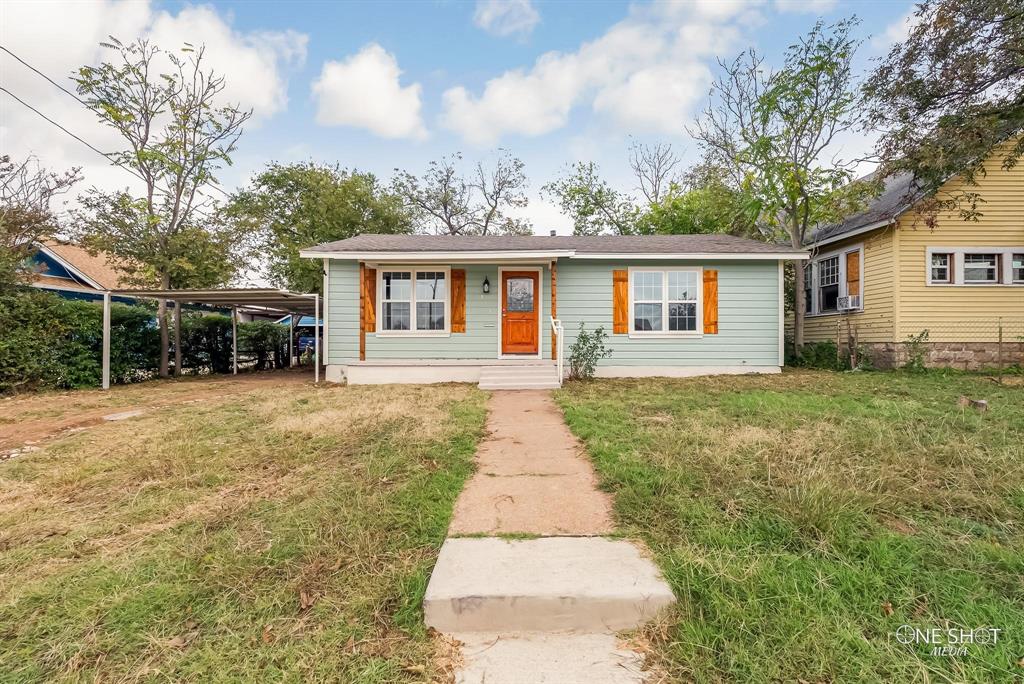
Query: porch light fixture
x=487 y=285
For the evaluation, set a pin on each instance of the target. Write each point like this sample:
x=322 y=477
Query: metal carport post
x=267 y=299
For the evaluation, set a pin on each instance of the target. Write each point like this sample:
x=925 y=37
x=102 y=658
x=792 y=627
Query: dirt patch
x=29 y=419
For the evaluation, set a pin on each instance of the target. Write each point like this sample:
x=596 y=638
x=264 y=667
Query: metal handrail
x=556 y=326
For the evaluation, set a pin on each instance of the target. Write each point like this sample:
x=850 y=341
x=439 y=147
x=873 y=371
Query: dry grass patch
x=284 y=533
x=802 y=518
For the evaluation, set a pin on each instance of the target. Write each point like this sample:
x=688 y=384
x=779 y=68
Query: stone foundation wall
x=959 y=355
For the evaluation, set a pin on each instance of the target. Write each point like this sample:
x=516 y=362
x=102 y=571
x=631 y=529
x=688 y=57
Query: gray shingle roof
x=601 y=244
x=897 y=195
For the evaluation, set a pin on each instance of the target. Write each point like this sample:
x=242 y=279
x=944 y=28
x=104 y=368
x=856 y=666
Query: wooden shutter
x=458 y=300
x=853 y=273
x=368 y=319
x=710 y=302
x=620 y=302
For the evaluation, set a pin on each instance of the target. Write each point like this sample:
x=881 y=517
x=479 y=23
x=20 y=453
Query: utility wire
x=86 y=104
x=89 y=145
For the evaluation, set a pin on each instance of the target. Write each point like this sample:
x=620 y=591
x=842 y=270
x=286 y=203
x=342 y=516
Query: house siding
x=875 y=322
x=899 y=302
x=748 y=318
x=963 y=312
x=480 y=341
x=748 y=311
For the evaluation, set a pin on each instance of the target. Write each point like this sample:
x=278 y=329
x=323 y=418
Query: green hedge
x=48 y=341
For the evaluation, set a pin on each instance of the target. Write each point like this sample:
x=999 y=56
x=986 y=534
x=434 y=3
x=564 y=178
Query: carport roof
x=266 y=298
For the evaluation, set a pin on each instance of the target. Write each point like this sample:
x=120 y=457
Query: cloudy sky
x=380 y=85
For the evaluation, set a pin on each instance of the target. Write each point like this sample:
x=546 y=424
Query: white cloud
x=806 y=6
x=59 y=37
x=364 y=91
x=896 y=32
x=644 y=73
x=506 y=17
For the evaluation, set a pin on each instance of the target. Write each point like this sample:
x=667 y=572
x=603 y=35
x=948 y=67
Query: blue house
x=71 y=272
x=503 y=310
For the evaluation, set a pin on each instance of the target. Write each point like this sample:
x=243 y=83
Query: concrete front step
x=547 y=658
x=519 y=377
x=584 y=584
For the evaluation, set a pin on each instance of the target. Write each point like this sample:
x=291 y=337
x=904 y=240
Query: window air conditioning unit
x=848 y=303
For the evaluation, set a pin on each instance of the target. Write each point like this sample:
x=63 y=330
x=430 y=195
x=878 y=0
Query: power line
x=95 y=149
x=86 y=104
x=84 y=142
x=43 y=75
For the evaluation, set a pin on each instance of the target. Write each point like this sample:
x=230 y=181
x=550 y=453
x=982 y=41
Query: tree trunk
x=799 y=307
x=161 y=314
x=177 y=339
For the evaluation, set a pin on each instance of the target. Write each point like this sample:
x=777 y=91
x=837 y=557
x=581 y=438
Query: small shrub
x=586 y=351
x=821 y=355
x=914 y=347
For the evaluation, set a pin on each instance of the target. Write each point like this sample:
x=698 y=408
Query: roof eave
x=460 y=256
x=855 y=232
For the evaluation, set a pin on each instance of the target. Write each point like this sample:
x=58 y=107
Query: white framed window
x=832 y=276
x=828 y=284
x=808 y=287
x=666 y=302
x=941 y=268
x=413 y=301
x=981 y=268
x=974 y=266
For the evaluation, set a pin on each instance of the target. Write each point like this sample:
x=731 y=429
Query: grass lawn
x=801 y=519
x=279 y=534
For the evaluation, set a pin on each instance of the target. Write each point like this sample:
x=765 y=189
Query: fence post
x=839 y=341
x=999 y=352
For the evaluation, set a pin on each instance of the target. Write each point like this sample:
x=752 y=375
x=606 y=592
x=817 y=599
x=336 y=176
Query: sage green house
x=505 y=311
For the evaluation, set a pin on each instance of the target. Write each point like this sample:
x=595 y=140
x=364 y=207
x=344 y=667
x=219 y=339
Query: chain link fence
x=995 y=344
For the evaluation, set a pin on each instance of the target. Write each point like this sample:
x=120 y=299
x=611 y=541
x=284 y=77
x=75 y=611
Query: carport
x=269 y=300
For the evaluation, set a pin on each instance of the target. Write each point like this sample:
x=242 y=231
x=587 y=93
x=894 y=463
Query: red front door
x=520 y=333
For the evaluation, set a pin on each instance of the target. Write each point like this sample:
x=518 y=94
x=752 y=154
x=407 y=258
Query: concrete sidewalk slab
x=586 y=584
x=543 y=658
x=531 y=504
x=532 y=476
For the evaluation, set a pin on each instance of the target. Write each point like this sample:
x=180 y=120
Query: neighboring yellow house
x=884 y=276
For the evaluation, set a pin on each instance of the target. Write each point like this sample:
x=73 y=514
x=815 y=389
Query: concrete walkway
x=541 y=609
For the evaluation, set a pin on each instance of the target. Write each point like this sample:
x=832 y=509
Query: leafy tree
x=292 y=207
x=26 y=217
x=703 y=201
x=177 y=135
x=773 y=132
x=594 y=206
x=946 y=96
x=445 y=201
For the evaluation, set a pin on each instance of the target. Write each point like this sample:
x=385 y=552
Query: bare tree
x=445 y=202
x=177 y=135
x=772 y=131
x=26 y=216
x=654 y=168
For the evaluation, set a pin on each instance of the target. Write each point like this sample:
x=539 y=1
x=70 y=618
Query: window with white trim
x=828 y=284
x=665 y=301
x=413 y=301
x=833 y=278
x=808 y=287
x=981 y=268
x=942 y=268
x=1017 y=268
